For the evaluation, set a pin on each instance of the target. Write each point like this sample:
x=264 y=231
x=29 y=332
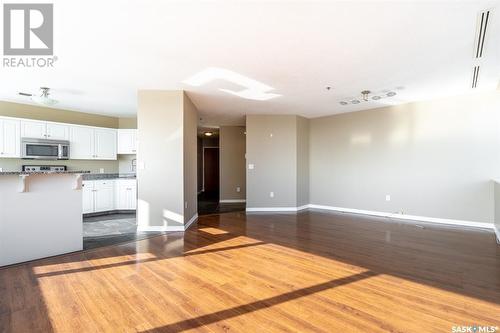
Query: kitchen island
x=40 y=215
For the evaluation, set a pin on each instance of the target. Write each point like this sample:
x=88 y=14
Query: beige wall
x=9 y=109
x=125 y=163
x=190 y=159
x=271 y=146
x=167 y=151
x=435 y=159
x=232 y=143
x=160 y=147
x=302 y=161
x=127 y=123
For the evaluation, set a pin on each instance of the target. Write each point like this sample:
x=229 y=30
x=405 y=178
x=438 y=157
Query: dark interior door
x=211 y=169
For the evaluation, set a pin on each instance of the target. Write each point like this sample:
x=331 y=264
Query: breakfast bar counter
x=40 y=215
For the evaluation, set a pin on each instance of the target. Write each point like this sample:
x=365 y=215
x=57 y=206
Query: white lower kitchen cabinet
x=109 y=194
x=98 y=196
x=104 y=195
x=126 y=194
x=88 y=197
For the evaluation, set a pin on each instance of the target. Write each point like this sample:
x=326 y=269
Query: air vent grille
x=481 y=33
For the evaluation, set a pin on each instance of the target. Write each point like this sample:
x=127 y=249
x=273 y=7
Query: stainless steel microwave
x=43 y=149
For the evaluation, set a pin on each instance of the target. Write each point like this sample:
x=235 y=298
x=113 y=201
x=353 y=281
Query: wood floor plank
x=307 y=272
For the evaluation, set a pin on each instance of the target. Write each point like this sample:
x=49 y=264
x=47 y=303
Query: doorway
x=211 y=171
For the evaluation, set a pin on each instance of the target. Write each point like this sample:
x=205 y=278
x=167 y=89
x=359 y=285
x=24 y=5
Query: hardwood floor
x=309 y=272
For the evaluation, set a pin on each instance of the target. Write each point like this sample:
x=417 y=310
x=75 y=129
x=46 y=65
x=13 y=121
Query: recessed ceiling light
x=375 y=98
x=391 y=93
x=343 y=103
x=255 y=90
x=208 y=133
x=355 y=101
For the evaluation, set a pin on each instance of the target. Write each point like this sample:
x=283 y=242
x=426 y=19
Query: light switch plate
x=251 y=166
x=238 y=189
x=387 y=197
x=271 y=194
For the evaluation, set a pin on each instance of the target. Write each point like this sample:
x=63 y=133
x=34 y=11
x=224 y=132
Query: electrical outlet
x=271 y=194
x=251 y=166
x=387 y=197
x=186 y=204
x=101 y=170
x=238 y=189
x=1 y=169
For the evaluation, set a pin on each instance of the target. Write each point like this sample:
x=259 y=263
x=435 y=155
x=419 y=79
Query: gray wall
x=302 y=161
x=272 y=149
x=435 y=159
x=496 y=185
x=232 y=144
x=190 y=159
x=160 y=146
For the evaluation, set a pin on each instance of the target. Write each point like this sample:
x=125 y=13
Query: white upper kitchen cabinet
x=127 y=141
x=81 y=143
x=33 y=129
x=10 y=138
x=57 y=131
x=105 y=144
x=89 y=143
x=44 y=130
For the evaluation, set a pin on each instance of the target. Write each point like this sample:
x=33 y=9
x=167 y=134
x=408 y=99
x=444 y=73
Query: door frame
x=203 y=167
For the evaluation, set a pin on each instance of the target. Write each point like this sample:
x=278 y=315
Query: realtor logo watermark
x=28 y=30
x=474 y=329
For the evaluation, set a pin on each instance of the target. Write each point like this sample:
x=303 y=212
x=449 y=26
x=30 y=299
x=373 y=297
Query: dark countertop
x=18 y=173
x=99 y=176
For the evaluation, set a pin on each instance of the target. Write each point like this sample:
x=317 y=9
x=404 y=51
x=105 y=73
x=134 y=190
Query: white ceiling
x=107 y=50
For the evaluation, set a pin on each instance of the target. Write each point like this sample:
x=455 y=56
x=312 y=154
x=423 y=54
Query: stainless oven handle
x=59 y=151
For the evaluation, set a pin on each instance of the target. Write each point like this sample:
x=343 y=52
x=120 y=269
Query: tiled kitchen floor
x=99 y=231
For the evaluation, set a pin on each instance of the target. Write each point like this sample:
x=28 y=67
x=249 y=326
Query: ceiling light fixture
x=208 y=133
x=365 y=97
x=254 y=90
x=44 y=98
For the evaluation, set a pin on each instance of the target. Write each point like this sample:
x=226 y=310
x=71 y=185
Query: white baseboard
x=497 y=233
x=160 y=228
x=277 y=209
x=191 y=221
x=469 y=224
x=169 y=227
x=232 y=200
